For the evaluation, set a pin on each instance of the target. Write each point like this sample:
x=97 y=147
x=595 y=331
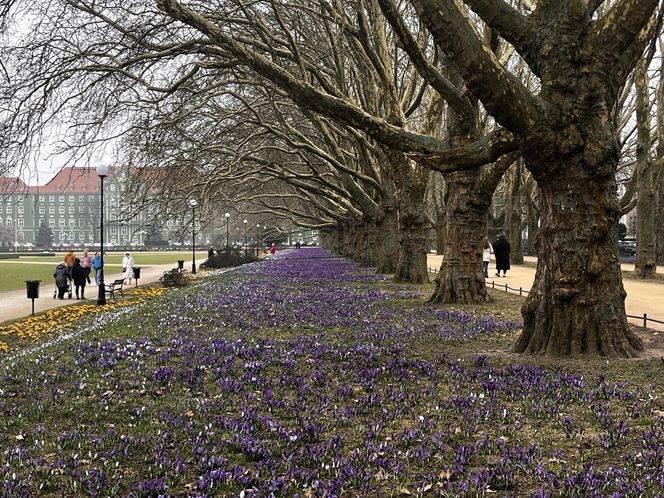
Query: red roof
x=73 y=180
x=12 y=184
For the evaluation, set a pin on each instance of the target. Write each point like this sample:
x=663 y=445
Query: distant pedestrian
x=79 y=276
x=211 y=252
x=272 y=249
x=97 y=265
x=86 y=263
x=128 y=267
x=61 y=276
x=69 y=260
x=501 y=248
x=486 y=256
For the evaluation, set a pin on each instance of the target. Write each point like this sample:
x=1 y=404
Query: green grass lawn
x=16 y=271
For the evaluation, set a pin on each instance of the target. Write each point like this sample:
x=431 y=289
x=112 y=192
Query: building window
x=71 y=209
x=61 y=198
x=0 y=209
x=169 y=223
x=81 y=198
x=20 y=223
x=72 y=223
x=51 y=223
x=112 y=187
x=20 y=209
x=51 y=210
x=114 y=216
x=61 y=210
x=63 y=235
x=123 y=230
x=72 y=198
x=41 y=198
x=61 y=222
x=9 y=222
x=81 y=209
x=8 y=210
x=42 y=209
x=51 y=198
x=114 y=230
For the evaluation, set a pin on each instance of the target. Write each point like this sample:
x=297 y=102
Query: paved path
x=14 y=304
x=642 y=296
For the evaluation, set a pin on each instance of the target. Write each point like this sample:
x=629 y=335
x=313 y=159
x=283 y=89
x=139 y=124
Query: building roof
x=12 y=184
x=74 y=180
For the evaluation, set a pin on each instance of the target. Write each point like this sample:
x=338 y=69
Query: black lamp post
x=193 y=203
x=245 y=234
x=227 y=215
x=257 y=227
x=102 y=172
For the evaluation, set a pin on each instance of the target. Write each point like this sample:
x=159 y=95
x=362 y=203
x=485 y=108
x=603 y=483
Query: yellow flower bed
x=49 y=322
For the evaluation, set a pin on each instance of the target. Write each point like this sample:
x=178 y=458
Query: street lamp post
x=193 y=203
x=102 y=172
x=227 y=215
x=245 y=234
x=257 y=227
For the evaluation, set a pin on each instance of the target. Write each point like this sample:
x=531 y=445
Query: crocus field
x=307 y=376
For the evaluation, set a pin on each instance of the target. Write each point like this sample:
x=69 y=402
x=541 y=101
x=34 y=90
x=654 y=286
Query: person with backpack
x=61 y=276
x=97 y=265
x=79 y=276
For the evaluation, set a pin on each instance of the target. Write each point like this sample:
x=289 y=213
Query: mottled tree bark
x=513 y=221
x=576 y=305
x=645 y=264
x=460 y=279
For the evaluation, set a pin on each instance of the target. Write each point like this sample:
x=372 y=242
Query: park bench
x=116 y=286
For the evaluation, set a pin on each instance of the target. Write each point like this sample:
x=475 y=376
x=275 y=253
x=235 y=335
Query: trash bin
x=32 y=287
x=180 y=264
x=137 y=272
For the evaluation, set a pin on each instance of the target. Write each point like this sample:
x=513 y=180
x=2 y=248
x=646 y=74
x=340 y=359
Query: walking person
x=128 y=267
x=86 y=264
x=97 y=266
x=486 y=256
x=69 y=260
x=61 y=276
x=79 y=276
x=501 y=248
x=272 y=249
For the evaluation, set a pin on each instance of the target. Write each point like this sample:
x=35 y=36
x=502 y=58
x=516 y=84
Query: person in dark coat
x=501 y=249
x=61 y=276
x=79 y=275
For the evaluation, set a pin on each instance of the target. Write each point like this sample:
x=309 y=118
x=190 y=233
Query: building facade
x=70 y=206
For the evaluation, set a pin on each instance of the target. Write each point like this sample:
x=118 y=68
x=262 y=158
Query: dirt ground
x=642 y=296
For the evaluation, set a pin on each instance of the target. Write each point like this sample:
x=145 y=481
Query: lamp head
x=193 y=202
x=227 y=215
x=244 y=221
x=102 y=170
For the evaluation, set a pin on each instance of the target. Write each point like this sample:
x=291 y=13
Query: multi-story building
x=70 y=205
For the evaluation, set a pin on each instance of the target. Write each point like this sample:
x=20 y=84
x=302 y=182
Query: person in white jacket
x=486 y=256
x=128 y=267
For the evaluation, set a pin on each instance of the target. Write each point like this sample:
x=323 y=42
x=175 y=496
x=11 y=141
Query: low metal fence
x=644 y=319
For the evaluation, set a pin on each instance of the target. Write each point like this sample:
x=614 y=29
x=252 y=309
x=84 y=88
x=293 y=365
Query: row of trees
x=350 y=116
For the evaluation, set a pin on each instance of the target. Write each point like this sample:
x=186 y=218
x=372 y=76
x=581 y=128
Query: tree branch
x=443 y=86
x=506 y=98
x=483 y=151
x=301 y=92
x=612 y=35
x=510 y=24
